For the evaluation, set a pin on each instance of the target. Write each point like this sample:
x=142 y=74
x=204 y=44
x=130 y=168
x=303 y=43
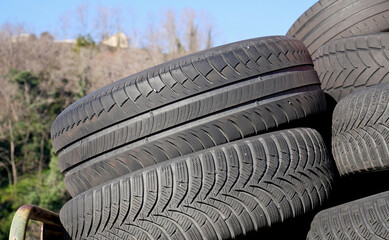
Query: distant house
x=23 y=37
x=119 y=40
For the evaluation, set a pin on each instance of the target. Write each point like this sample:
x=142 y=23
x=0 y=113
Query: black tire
x=227 y=126
x=353 y=63
x=365 y=218
x=175 y=81
x=329 y=20
x=361 y=131
x=276 y=86
x=200 y=107
x=220 y=193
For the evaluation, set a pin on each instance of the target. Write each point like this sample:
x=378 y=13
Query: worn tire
x=220 y=193
x=227 y=126
x=328 y=20
x=361 y=131
x=365 y=218
x=352 y=64
x=200 y=108
x=174 y=81
x=275 y=87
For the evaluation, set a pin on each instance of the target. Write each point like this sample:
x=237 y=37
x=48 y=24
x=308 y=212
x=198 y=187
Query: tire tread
x=360 y=131
x=224 y=192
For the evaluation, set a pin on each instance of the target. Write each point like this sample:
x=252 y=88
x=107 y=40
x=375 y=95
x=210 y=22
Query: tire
x=279 y=87
x=227 y=126
x=221 y=193
x=328 y=20
x=200 y=108
x=173 y=82
x=361 y=131
x=365 y=218
x=354 y=63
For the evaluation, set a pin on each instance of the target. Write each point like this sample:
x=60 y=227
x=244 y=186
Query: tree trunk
x=12 y=152
x=40 y=165
x=24 y=142
x=209 y=38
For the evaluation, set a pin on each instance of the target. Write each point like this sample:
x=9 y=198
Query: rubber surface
x=227 y=126
x=220 y=193
x=360 y=131
x=354 y=63
x=328 y=20
x=197 y=107
x=174 y=81
x=365 y=218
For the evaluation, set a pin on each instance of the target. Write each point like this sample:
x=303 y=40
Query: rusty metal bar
x=50 y=227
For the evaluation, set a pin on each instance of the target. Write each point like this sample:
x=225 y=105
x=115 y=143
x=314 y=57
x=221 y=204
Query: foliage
x=53 y=193
x=25 y=78
x=84 y=42
x=47 y=191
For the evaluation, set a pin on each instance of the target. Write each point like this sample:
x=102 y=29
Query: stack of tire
x=219 y=144
x=350 y=50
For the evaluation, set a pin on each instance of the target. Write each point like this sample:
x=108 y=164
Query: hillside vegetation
x=40 y=76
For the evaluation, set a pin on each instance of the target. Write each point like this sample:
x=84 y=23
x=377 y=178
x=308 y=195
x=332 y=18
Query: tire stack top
x=173 y=81
x=329 y=20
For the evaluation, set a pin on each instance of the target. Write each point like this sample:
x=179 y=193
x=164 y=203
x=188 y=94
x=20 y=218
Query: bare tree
x=65 y=23
x=172 y=34
x=191 y=30
x=82 y=18
x=209 y=31
x=10 y=35
x=107 y=22
x=10 y=115
x=153 y=38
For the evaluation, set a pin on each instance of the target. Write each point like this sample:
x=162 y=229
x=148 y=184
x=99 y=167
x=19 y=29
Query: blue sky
x=233 y=20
